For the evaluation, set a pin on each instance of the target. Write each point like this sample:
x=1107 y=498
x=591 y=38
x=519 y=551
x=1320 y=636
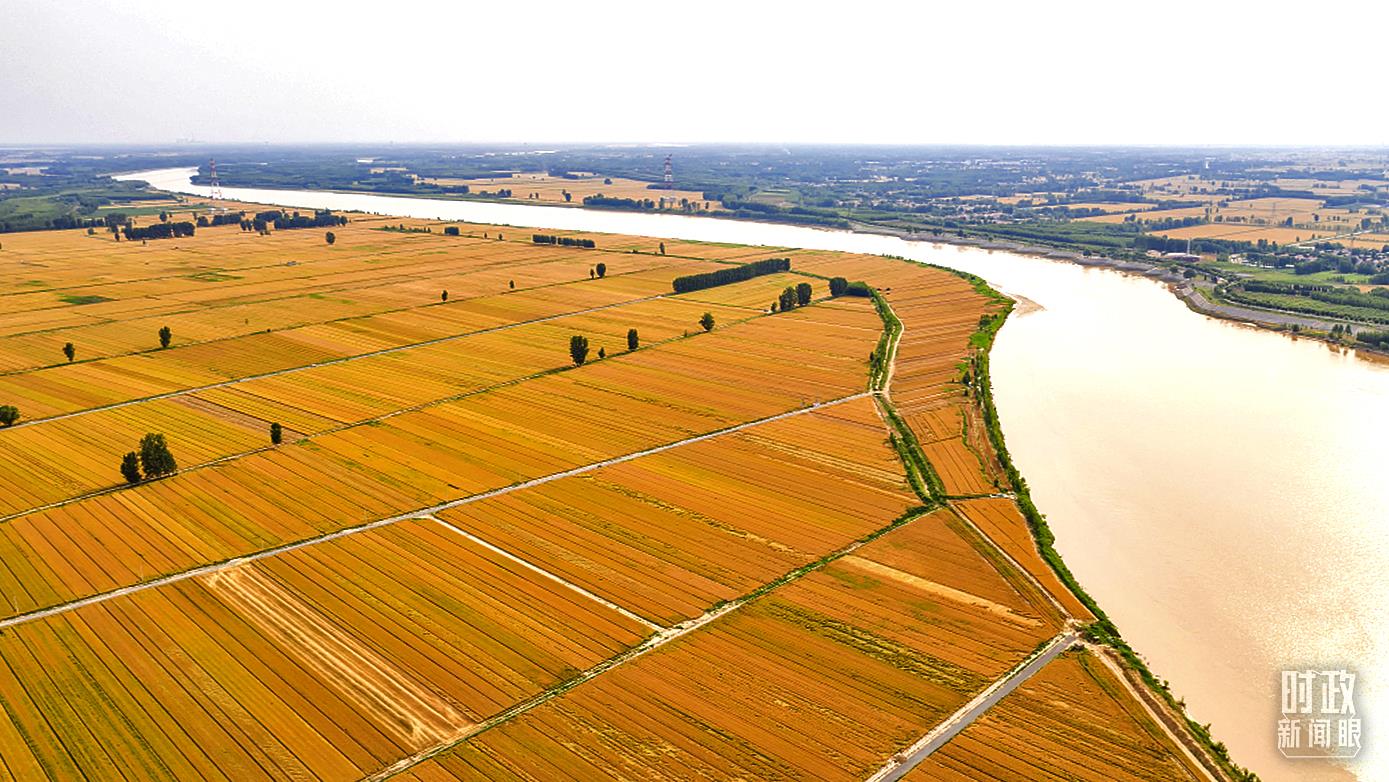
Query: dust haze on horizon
x=866 y=72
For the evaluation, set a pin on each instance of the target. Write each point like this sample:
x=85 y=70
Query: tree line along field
x=468 y=555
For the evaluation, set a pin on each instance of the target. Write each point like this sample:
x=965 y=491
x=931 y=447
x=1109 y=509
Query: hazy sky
x=1209 y=72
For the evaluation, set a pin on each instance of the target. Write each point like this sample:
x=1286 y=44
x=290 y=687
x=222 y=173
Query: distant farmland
x=703 y=539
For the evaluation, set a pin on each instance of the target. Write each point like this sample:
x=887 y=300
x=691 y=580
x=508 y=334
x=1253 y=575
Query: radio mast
x=216 y=191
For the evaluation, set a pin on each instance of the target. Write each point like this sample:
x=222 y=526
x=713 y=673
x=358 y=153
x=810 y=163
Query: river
x=1215 y=487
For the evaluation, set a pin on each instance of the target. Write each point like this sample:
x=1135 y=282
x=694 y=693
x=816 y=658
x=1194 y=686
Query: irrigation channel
x=1220 y=490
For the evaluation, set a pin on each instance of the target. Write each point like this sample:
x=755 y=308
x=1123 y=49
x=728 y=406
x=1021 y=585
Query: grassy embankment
x=927 y=485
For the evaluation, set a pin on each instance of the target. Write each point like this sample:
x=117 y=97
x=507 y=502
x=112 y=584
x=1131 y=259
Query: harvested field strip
x=309 y=665
x=215 y=306
x=41 y=580
x=670 y=534
x=958 y=467
x=1071 y=721
x=48 y=407
x=1001 y=521
x=940 y=591
x=547 y=574
x=418 y=717
x=836 y=671
x=325 y=399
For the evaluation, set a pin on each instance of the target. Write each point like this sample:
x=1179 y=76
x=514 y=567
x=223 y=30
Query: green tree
x=632 y=340
x=130 y=467
x=663 y=248
x=602 y=353
x=787 y=301
x=578 y=349
x=277 y=434
x=707 y=321
x=330 y=237
x=69 y=351
x=163 y=217
x=803 y=294
x=838 y=285
x=511 y=284
x=444 y=296
x=165 y=336
x=8 y=415
x=155 y=458
x=602 y=269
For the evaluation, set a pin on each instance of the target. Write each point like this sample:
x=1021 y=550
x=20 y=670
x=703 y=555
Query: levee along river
x=1218 y=489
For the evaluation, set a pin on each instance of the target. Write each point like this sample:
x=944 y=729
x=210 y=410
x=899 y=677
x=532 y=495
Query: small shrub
x=8 y=415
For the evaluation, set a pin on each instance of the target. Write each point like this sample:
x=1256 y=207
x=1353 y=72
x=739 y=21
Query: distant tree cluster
x=451 y=230
x=323 y=219
x=225 y=218
x=1379 y=339
x=159 y=231
x=786 y=301
x=792 y=297
x=563 y=241
x=608 y=202
x=747 y=271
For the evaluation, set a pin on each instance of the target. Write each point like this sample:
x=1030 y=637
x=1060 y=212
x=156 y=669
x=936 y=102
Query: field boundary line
x=1027 y=574
x=547 y=574
x=326 y=363
x=342 y=427
x=654 y=642
x=413 y=514
x=282 y=329
x=906 y=760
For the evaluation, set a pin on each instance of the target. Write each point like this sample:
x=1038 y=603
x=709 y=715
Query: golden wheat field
x=546 y=189
x=1073 y=721
x=709 y=553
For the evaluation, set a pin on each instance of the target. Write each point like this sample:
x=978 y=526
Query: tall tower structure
x=670 y=176
x=216 y=185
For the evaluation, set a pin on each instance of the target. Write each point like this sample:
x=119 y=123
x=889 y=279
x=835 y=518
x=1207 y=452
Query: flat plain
x=781 y=547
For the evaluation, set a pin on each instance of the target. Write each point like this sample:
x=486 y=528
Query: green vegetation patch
x=91 y=298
